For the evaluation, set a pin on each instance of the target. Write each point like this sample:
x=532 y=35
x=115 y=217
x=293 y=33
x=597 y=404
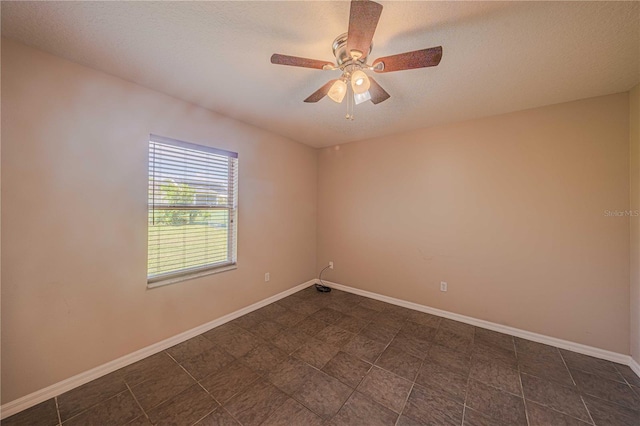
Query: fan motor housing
x=341 y=53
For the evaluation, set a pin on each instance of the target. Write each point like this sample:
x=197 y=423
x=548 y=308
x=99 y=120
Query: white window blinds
x=193 y=197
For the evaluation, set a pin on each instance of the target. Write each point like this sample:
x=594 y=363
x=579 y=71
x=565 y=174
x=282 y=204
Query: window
x=193 y=197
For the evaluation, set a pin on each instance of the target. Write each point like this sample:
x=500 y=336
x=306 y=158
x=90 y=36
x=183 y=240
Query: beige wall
x=509 y=210
x=634 y=195
x=74 y=174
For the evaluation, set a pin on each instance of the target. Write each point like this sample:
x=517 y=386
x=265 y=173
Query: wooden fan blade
x=295 y=61
x=409 y=60
x=363 y=20
x=321 y=92
x=378 y=94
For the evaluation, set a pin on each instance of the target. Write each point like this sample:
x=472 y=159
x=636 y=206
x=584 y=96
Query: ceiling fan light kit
x=351 y=50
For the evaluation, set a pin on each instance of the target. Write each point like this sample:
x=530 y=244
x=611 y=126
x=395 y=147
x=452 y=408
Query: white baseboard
x=540 y=338
x=634 y=366
x=27 y=401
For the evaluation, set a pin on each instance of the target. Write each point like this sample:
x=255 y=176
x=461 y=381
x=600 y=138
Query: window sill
x=187 y=277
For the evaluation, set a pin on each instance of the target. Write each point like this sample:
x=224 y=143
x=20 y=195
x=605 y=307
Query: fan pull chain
x=350 y=102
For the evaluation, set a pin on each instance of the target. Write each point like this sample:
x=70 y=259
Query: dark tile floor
x=342 y=359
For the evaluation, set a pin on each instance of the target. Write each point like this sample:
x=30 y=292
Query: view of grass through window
x=190 y=244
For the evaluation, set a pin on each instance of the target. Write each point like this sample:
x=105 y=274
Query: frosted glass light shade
x=337 y=91
x=360 y=82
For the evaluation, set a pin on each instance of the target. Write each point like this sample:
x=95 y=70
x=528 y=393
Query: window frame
x=231 y=261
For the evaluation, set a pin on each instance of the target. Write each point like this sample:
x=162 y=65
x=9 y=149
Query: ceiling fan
x=351 y=51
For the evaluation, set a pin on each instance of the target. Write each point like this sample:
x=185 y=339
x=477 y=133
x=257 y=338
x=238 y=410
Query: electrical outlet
x=330 y=265
x=443 y=286
x=267 y=277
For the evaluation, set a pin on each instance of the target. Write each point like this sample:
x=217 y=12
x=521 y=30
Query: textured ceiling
x=498 y=56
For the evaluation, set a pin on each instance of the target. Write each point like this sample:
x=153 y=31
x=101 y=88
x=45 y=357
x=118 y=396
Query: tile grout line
x=355 y=387
x=524 y=401
x=312 y=410
x=209 y=393
x=544 y=404
x=496 y=387
x=637 y=392
x=593 y=422
x=201 y=418
x=309 y=408
x=584 y=404
x=96 y=404
x=598 y=377
x=241 y=390
x=526 y=410
x=522 y=395
x=542 y=378
x=170 y=398
x=431 y=343
x=466 y=392
x=278 y=407
x=623 y=377
x=232 y=416
x=567 y=367
x=625 y=380
x=260 y=377
x=341 y=406
x=183 y=369
x=58 y=410
x=420 y=368
x=405 y=402
x=499 y=389
x=562 y=412
x=415 y=377
x=608 y=401
x=466 y=395
x=137 y=402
